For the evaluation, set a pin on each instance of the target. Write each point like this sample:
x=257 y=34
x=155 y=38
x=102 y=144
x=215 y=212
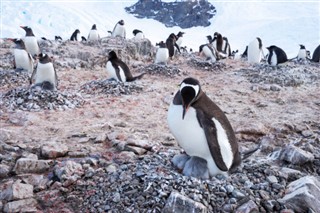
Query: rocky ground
x=100 y=146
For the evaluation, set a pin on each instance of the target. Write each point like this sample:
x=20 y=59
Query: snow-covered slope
x=285 y=24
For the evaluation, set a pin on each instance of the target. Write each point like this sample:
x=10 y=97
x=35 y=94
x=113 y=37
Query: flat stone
x=272 y=179
x=25 y=165
x=139 y=143
x=101 y=138
x=54 y=150
x=248 y=207
x=252 y=129
x=4 y=170
x=136 y=150
x=295 y=155
x=182 y=204
x=25 y=205
x=17 y=191
x=303 y=195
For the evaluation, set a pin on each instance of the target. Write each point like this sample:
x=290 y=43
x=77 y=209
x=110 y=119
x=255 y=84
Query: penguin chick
x=22 y=59
x=302 y=54
x=138 y=34
x=45 y=75
x=162 y=54
x=202 y=129
x=93 y=34
x=118 y=70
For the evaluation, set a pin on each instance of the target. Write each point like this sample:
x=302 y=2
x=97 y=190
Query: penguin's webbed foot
x=180 y=160
x=196 y=167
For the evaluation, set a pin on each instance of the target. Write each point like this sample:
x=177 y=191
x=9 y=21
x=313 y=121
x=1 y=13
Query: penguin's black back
x=245 y=53
x=170 y=42
x=316 y=55
x=19 y=44
x=136 y=31
x=74 y=35
x=281 y=55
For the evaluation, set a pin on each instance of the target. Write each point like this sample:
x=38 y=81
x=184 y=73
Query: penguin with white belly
x=203 y=131
x=119 y=30
x=93 y=34
x=276 y=55
x=118 y=70
x=254 y=51
x=302 y=54
x=22 y=59
x=31 y=41
x=138 y=34
x=45 y=75
x=162 y=54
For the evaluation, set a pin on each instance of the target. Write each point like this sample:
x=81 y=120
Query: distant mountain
x=184 y=14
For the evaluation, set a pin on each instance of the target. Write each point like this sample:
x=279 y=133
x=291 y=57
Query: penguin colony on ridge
x=203 y=131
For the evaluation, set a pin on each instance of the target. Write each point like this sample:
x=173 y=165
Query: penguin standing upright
x=118 y=70
x=209 y=52
x=75 y=35
x=171 y=44
x=254 y=51
x=179 y=37
x=302 y=54
x=138 y=34
x=217 y=41
x=276 y=55
x=22 y=59
x=31 y=41
x=316 y=55
x=203 y=131
x=45 y=75
x=119 y=30
x=93 y=34
x=162 y=54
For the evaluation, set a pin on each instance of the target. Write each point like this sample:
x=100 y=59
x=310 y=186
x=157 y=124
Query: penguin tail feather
x=136 y=77
x=248 y=153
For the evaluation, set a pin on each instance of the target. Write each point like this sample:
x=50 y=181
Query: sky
x=283 y=23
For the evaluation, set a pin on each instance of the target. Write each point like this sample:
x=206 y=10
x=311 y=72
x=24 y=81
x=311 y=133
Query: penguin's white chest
x=302 y=54
x=162 y=55
x=274 y=60
x=22 y=60
x=254 y=53
x=191 y=137
x=112 y=73
x=208 y=53
x=139 y=36
x=45 y=72
x=93 y=35
x=179 y=41
x=32 y=45
x=119 y=31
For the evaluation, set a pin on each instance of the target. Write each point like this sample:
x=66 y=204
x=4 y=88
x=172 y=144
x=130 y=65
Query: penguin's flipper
x=196 y=167
x=33 y=75
x=177 y=46
x=180 y=160
x=210 y=131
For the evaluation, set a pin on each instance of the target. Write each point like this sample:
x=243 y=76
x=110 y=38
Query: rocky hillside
x=100 y=146
x=185 y=14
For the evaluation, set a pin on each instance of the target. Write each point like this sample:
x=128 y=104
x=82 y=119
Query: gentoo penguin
x=226 y=49
x=276 y=55
x=93 y=34
x=45 y=75
x=316 y=55
x=138 y=34
x=302 y=54
x=209 y=39
x=217 y=41
x=162 y=54
x=119 y=30
x=209 y=52
x=31 y=41
x=57 y=38
x=171 y=44
x=118 y=70
x=83 y=39
x=202 y=130
x=254 y=51
x=179 y=38
x=75 y=35
x=22 y=59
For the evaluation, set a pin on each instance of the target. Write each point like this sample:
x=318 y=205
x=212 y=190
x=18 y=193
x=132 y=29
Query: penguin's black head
x=121 y=22
x=302 y=46
x=216 y=35
x=83 y=38
x=94 y=27
x=112 y=55
x=28 y=30
x=161 y=44
x=189 y=90
x=180 y=34
x=77 y=31
x=272 y=47
x=135 y=32
x=209 y=37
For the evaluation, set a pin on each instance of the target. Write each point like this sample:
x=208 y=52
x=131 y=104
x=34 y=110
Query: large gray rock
x=303 y=195
x=70 y=170
x=248 y=207
x=182 y=204
x=4 y=170
x=16 y=191
x=295 y=155
x=54 y=150
x=26 y=205
x=26 y=165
